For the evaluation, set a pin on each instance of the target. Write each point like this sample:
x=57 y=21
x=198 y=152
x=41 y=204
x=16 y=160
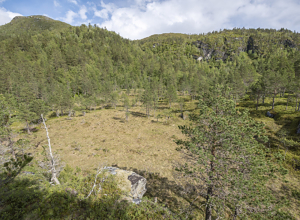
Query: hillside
x=30 y=25
x=118 y=102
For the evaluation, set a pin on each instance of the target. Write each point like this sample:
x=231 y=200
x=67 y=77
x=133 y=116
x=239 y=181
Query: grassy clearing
x=146 y=146
x=104 y=136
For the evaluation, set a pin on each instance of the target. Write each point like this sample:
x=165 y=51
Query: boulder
x=298 y=129
x=132 y=184
x=270 y=115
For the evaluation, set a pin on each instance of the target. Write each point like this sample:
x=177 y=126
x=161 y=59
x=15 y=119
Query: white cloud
x=70 y=17
x=73 y=1
x=106 y=10
x=82 y=12
x=6 y=16
x=147 y=17
x=2 y=1
x=56 y=3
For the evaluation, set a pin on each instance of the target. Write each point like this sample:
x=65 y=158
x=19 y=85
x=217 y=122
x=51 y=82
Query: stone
x=270 y=115
x=298 y=129
x=132 y=184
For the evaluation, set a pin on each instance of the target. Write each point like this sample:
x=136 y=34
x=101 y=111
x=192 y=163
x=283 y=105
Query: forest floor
x=146 y=145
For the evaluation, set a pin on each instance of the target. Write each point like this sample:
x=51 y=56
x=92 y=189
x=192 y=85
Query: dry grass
x=105 y=136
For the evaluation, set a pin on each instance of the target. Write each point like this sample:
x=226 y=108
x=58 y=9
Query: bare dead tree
x=52 y=159
x=100 y=170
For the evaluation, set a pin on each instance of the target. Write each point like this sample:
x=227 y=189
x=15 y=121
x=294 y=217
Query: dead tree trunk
x=53 y=170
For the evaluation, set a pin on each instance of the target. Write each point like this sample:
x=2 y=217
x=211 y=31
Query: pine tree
x=26 y=115
x=226 y=161
x=114 y=98
x=171 y=94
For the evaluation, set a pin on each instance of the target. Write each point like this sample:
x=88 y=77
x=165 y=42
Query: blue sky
x=136 y=19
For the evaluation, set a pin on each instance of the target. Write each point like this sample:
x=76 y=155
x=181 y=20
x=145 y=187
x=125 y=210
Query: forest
x=211 y=120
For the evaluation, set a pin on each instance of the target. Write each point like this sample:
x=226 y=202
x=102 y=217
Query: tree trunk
x=208 y=211
x=296 y=104
x=299 y=106
x=263 y=100
x=287 y=102
x=70 y=114
x=257 y=99
x=57 y=113
x=273 y=102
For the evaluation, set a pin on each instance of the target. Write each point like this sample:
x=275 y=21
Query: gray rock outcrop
x=270 y=115
x=132 y=184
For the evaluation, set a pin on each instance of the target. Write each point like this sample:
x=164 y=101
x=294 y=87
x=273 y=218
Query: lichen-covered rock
x=132 y=184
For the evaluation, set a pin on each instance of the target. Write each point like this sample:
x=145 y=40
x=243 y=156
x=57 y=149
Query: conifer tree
x=25 y=114
x=147 y=99
x=226 y=161
x=114 y=98
x=171 y=94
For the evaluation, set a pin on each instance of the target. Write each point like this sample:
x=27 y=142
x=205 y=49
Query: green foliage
x=230 y=164
x=4 y=116
x=32 y=197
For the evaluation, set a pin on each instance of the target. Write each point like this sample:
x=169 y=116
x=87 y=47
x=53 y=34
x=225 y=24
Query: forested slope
x=51 y=68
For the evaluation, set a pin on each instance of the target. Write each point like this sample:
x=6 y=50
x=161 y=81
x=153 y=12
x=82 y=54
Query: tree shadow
x=138 y=114
x=32 y=130
x=162 y=107
x=119 y=119
x=26 y=198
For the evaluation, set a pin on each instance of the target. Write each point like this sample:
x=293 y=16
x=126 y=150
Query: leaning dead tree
x=100 y=170
x=52 y=159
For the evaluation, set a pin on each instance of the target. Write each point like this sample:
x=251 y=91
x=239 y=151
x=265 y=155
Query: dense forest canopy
x=50 y=61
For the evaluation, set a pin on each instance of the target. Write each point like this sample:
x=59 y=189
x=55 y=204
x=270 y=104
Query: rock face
x=132 y=184
x=242 y=44
x=270 y=115
x=289 y=43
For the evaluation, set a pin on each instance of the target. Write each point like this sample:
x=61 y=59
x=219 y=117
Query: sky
x=137 y=19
